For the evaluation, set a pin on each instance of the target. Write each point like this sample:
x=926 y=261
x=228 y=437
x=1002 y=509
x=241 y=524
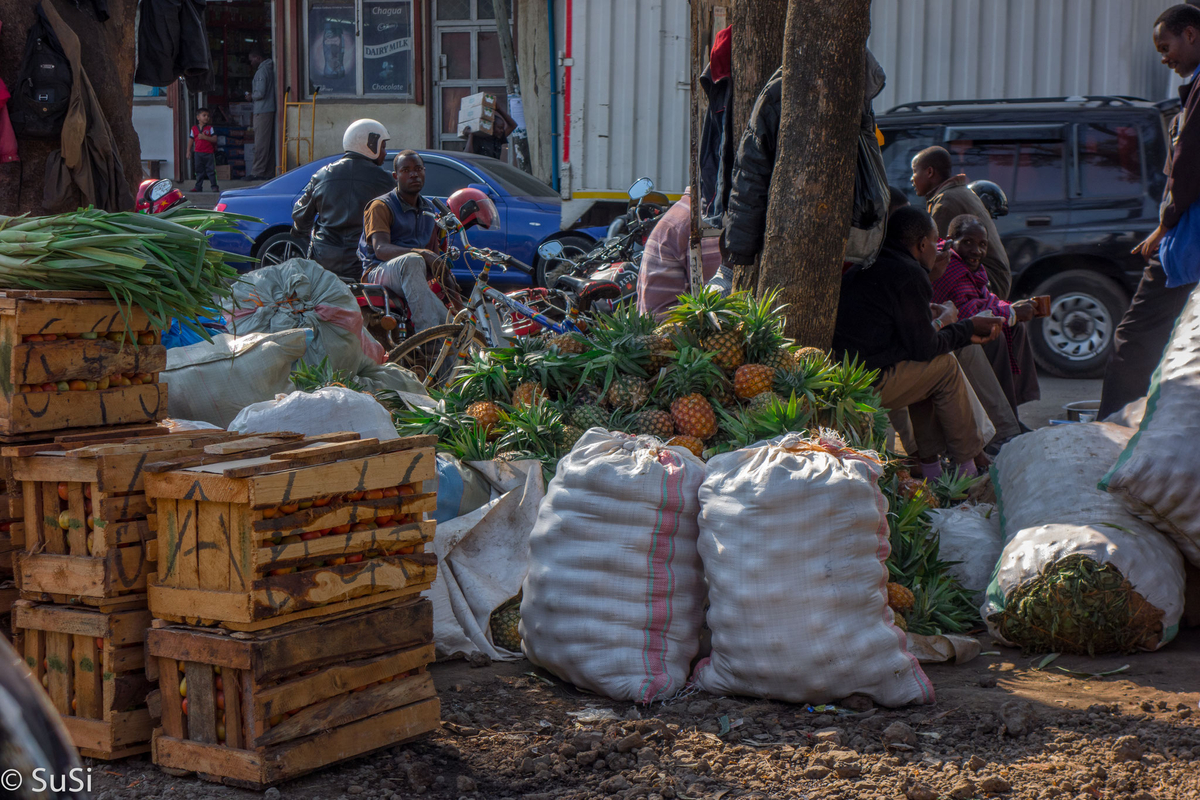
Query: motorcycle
x=618 y=258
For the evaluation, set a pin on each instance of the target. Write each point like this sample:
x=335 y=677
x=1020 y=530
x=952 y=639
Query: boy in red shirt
x=202 y=144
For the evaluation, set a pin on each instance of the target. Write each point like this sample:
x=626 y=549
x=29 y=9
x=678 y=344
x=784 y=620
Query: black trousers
x=1141 y=338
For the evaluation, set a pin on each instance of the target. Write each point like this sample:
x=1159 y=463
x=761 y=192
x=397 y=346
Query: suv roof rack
x=1102 y=100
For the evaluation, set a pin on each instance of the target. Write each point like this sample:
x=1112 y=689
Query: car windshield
x=514 y=181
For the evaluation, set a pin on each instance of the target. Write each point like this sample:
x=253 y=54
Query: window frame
x=413 y=94
x=1077 y=168
x=1025 y=133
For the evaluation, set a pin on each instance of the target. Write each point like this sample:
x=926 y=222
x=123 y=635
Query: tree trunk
x=511 y=78
x=812 y=188
x=534 y=63
x=757 y=52
x=108 y=59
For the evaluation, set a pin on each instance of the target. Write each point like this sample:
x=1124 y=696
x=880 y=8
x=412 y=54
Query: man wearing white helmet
x=330 y=212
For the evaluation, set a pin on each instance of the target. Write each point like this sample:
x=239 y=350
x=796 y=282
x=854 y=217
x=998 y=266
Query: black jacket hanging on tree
x=172 y=42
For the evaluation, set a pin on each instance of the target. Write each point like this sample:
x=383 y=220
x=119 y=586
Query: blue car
x=529 y=213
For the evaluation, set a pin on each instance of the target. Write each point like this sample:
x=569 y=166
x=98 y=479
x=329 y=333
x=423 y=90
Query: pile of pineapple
x=717 y=375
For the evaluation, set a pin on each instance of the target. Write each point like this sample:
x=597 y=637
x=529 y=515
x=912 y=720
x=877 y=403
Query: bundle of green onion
x=162 y=264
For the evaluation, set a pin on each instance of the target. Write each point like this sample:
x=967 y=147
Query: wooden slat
x=346 y=544
x=213 y=546
x=121 y=571
x=342 y=710
x=277 y=445
x=59 y=668
x=50 y=411
x=327 y=453
x=188 y=557
x=89 y=690
x=112 y=738
x=35 y=652
x=199 y=645
x=51 y=311
x=355 y=475
x=250 y=443
x=82 y=359
x=78 y=531
x=126 y=659
x=116 y=534
x=187 y=485
x=52 y=532
x=202 y=709
x=172 y=703
x=32 y=496
x=276 y=595
x=232 y=682
x=242 y=548
x=115 y=509
x=238 y=765
x=348 y=512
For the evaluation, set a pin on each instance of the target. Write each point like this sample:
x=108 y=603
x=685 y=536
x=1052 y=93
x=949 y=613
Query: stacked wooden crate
x=289 y=629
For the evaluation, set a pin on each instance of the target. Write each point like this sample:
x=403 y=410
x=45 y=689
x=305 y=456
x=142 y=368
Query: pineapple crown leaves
x=443 y=416
x=738 y=428
x=780 y=417
x=311 y=377
x=609 y=358
x=763 y=322
x=807 y=379
x=482 y=378
x=469 y=443
x=623 y=322
x=692 y=372
x=708 y=312
x=536 y=428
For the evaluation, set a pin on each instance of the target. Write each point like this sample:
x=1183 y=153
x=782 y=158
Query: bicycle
x=494 y=319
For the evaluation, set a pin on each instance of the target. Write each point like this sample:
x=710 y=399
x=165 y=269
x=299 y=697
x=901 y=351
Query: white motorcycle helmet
x=365 y=136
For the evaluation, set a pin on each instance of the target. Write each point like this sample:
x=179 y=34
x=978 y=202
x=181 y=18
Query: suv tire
x=1077 y=337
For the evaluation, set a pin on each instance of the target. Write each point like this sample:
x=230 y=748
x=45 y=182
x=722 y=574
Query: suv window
x=1110 y=160
x=899 y=147
x=1029 y=168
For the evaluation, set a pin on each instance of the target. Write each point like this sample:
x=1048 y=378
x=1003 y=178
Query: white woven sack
x=331 y=409
x=213 y=381
x=1158 y=475
x=613 y=601
x=971 y=536
x=794 y=541
x=1051 y=508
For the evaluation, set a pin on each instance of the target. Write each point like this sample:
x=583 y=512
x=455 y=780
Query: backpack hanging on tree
x=43 y=91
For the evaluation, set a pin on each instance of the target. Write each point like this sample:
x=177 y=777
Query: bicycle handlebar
x=489 y=256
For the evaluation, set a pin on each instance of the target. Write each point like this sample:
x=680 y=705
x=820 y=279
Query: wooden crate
x=66 y=317
x=93 y=667
x=284 y=702
x=236 y=548
x=107 y=562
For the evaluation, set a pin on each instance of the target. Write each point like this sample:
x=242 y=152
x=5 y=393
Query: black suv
x=1083 y=177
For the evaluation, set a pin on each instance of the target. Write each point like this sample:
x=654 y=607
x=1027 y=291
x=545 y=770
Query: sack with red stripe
x=794 y=539
x=613 y=601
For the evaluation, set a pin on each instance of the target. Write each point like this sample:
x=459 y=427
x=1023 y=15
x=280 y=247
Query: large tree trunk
x=757 y=52
x=812 y=188
x=108 y=59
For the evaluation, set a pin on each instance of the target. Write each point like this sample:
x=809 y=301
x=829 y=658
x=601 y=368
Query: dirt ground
x=1001 y=727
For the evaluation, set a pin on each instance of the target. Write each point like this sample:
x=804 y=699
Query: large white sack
x=614 y=598
x=971 y=536
x=329 y=410
x=794 y=539
x=1158 y=475
x=482 y=559
x=1051 y=508
x=212 y=382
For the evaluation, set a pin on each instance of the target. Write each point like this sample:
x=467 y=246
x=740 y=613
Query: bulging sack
x=969 y=535
x=794 y=540
x=1158 y=474
x=1079 y=573
x=332 y=409
x=613 y=601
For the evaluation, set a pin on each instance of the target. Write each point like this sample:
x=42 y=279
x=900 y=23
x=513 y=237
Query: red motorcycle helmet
x=473 y=207
x=156 y=196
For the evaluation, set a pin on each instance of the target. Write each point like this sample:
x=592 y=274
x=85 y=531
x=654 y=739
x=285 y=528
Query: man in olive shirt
x=399 y=242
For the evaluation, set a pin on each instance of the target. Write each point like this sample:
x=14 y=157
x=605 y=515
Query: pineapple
x=900 y=598
x=628 y=392
x=486 y=413
x=763 y=401
x=762 y=324
x=713 y=319
x=783 y=358
x=661 y=350
x=900 y=622
x=655 y=422
x=482 y=377
x=528 y=393
x=814 y=353
x=568 y=344
x=690 y=442
x=912 y=488
x=751 y=380
x=570 y=435
x=589 y=416
x=688 y=382
x=505 y=624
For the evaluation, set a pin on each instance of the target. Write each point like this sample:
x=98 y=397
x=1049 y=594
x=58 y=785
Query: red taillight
x=219 y=207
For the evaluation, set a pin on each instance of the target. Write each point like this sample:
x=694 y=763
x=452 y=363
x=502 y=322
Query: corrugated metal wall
x=629 y=94
x=968 y=49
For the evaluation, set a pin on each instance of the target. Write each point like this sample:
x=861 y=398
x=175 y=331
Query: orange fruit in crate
x=310 y=535
x=337 y=562
x=269 y=513
x=78 y=386
x=218 y=683
x=221 y=700
x=354 y=497
x=183 y=687
x=342 y=528
x=354 y=559
x=321 y=502
x=87 y=491
x=185 y=707
x=374 y=494
x=74 y=704
x=99 y=643
x=305 y=504
x=62 y=490
x=391 y=491
x=383 y=521
x=220 y=725
x=103 y=383
x=407 y=489
x=34 y=337
x=290 y=508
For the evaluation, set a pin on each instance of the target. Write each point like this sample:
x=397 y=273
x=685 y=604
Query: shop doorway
x=467 y=60
x=235 y=27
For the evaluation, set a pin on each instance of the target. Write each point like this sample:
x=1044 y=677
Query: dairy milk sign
x=387 y=47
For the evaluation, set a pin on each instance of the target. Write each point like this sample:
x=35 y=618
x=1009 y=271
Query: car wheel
x=279 y=248
x=574 y=246
x=1085 y=309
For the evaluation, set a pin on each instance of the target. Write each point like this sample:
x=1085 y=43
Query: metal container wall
x=630 y=95
x=969 y=49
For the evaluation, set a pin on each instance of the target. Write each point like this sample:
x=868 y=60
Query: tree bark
x=757 y=52
x=812 y=188
x=108 y=59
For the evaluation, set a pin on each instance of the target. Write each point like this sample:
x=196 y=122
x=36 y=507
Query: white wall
x=404 y=121
x=975 y=49
x=155 y=126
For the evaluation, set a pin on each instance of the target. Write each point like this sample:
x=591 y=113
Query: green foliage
x=310 y=378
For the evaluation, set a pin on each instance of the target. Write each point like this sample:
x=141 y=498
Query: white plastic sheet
x=329 y=410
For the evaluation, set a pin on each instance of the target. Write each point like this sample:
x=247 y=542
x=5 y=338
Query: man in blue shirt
x=399 y=243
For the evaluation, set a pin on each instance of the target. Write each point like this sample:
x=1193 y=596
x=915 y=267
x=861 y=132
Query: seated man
x=885 y=318
x=965 y=284
x=664 y=272
x=399 y=242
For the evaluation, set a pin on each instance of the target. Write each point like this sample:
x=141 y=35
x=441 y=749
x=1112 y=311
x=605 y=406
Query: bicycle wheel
x=420 y=353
